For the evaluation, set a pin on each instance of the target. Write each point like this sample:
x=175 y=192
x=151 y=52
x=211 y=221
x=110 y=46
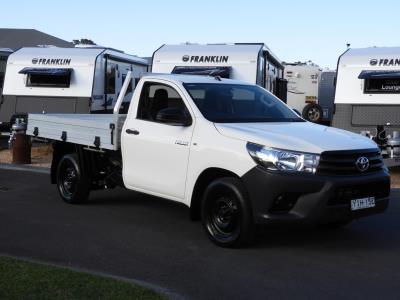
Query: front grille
x=343 y=195
x=344 y=162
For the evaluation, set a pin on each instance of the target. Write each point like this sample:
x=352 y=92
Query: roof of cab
x=193 y=79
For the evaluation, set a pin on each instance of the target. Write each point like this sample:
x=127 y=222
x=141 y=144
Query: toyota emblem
x=362 y=163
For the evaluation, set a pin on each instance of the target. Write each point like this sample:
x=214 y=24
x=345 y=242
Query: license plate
x=362 y=203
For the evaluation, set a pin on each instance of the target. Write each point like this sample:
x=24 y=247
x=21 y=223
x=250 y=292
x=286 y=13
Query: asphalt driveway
x=137 y=236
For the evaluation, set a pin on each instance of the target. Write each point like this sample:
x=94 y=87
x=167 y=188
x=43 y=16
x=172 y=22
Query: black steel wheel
x=226 y=213
x=72 y=185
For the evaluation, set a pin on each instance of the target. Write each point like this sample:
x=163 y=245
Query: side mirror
x=297 y=112
x=173 y=116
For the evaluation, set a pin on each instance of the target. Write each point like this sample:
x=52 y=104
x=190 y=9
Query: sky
x=293 y=30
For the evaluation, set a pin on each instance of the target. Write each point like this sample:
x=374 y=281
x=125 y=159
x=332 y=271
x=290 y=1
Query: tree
x=84 y=42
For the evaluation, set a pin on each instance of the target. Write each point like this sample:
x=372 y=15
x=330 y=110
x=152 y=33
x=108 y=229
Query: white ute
x=229 y=150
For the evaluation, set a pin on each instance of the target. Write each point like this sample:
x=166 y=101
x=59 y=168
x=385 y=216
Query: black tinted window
x=41 y=80
x=156 y=97
x=110 y=78
x=382 y=85
x=239 y=103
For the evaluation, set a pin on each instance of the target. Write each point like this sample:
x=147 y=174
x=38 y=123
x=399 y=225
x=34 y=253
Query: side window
x=110 y=78
x=156 y=97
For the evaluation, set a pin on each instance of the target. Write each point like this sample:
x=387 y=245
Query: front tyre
x=226 y=213
x=73 y=186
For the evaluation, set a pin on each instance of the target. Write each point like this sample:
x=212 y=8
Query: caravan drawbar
x=251 y=62
x=66 y=80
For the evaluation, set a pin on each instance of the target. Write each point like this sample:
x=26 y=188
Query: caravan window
x=382 y=85
x=110 y=78
x=381 y=82
x=223 y=72
x=47 y=77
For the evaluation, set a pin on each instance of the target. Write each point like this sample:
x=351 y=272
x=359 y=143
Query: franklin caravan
x=303 y=81
x=254 y=63
x=66 y=80
x=367 y=96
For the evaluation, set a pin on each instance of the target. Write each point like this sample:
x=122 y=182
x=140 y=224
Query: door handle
x=130 y=131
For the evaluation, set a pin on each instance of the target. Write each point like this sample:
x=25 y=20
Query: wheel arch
x=203 y=180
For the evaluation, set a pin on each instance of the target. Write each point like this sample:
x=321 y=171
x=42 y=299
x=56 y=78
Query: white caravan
x=66 y=80
x=302 y=89
x=254 y=63
x=367 y=96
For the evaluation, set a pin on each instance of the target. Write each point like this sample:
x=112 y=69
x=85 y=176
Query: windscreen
x=232 y=103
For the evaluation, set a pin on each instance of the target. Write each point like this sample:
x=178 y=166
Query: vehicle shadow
x=374 y=232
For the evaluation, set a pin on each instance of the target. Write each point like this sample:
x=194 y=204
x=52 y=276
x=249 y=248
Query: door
x=156 y=153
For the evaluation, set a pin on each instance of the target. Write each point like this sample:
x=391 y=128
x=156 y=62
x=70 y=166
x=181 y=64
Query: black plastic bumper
x=287 y=197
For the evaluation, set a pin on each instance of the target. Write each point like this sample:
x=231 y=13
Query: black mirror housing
x=174 y=116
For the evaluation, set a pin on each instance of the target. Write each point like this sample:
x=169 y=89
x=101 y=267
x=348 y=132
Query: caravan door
x=116 y=74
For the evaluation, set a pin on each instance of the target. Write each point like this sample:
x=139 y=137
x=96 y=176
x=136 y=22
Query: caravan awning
x=46 y=71
x=223 y=72
x=379 y=74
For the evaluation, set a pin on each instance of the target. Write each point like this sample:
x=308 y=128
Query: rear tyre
x=73 y=186
x=313 y=113
x=226 y=213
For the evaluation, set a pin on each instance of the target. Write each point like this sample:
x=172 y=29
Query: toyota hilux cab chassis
x=232 y=152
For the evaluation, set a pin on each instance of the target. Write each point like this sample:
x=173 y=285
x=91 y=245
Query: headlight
x=283 y=160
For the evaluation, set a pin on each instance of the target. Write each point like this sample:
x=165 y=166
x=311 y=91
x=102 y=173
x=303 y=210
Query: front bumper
x=286 y=197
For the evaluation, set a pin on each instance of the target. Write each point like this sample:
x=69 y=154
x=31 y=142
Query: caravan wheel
x=312 y=113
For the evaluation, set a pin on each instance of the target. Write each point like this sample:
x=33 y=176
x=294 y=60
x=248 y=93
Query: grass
x=26 y=280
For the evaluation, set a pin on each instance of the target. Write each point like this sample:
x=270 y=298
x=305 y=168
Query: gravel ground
x=41 y=155
x=3 y=142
